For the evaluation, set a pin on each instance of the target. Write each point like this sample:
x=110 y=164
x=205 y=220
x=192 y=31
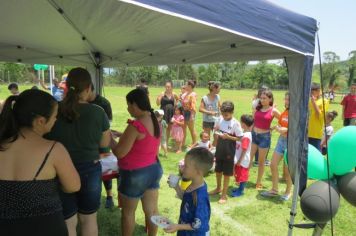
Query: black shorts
x=209 y=125
x=224 y=157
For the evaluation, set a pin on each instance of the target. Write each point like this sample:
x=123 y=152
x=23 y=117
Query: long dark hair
x=269 y=94
x=140 y=98
x=77 y=81
x=19 y=111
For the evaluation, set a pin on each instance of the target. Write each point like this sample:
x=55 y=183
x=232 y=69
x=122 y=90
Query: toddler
x=177 y=128
x=163 y=126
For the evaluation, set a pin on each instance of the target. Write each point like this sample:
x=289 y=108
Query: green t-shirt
x=82 y=137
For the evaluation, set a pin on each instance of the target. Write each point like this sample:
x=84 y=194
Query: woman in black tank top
x=29 y=199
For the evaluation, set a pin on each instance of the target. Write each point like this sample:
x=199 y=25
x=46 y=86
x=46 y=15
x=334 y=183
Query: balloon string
x=325 y=134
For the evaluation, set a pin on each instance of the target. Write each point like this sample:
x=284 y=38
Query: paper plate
x=161 y=221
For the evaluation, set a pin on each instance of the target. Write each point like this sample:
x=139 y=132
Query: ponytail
x=157 y=131
x=9 y=129
x=77 y=81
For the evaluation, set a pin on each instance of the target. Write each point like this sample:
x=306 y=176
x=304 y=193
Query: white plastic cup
x=173 y=180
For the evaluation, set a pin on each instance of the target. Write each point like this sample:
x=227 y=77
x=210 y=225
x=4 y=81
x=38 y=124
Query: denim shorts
x=87 y=200
x=262 y=140
x=281 y=145
x=134 y=183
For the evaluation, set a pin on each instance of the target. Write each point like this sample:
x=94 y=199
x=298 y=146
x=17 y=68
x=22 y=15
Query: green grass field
x=248 y=215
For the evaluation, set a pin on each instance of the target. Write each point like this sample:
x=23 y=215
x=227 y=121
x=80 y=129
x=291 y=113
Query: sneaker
x=234 y=190
x=284 y=197
x=109 y=203
x=255 y=163
x=237 y=194
x=267 y=163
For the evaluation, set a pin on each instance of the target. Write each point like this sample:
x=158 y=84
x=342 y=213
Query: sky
x=337 y=23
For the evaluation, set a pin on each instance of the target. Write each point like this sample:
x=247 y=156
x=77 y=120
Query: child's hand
x=171 y=228
x=225 y=136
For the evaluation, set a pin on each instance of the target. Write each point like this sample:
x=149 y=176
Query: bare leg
x=150 y=207
x=218 y=184
x=179 y=145
x=192 y=131
x=276 y=158
x=128 y=215
x=184 y=132
x=288 y=180
x=88 y=224
x=225 y=187
x=253 y=152
x=72 y=225
x=262 y=153
x=168 y=132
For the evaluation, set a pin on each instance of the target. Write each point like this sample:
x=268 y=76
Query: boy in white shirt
x=229 y=131
x=242 y=156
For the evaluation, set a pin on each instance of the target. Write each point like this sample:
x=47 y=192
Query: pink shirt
x=143 y=152
x=263 y=119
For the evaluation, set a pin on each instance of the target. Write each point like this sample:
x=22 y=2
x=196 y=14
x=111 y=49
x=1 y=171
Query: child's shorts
x=241 y=174
x=225 y=153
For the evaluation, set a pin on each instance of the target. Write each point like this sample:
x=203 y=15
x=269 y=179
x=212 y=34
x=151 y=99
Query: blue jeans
x=87 y=199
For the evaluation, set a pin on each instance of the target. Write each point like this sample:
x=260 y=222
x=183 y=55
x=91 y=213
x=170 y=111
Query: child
x=349 y=107
x=195 y=208
x=204 y=142
x=163 y=126
x=177 y=128
x=229 y=131
x=242 y=156
x=330 y=116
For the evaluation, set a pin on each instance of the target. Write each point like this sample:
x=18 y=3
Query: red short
x=241 y=174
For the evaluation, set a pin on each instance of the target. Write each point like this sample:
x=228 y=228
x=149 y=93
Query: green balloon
x=342 y=150
x=317 y=166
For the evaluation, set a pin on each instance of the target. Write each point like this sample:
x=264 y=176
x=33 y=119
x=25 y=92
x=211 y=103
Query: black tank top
x=24 y=199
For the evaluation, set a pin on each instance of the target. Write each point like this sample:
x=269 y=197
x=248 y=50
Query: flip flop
x=270 y=193
x=222 y=201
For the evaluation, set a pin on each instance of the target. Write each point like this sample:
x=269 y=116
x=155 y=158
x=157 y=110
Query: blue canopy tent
x=98 y=34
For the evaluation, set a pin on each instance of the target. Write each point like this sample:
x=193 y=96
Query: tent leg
x=293 y=210
x=318 y=230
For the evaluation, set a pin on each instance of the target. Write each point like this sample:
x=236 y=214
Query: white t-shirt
x=246 y=139
x=204 y=145
x=329 y=132
x=231 y=127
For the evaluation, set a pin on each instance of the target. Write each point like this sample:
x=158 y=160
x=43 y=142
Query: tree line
x=337 y=75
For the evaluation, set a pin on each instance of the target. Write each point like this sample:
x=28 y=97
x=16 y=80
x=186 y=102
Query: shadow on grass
x=109 y=221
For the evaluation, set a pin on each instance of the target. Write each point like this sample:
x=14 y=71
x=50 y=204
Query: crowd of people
x=50 y=147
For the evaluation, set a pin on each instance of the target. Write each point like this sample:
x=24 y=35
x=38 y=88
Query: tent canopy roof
x=150 y=32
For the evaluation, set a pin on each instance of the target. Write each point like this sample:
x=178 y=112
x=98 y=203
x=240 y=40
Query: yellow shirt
x=316 y=124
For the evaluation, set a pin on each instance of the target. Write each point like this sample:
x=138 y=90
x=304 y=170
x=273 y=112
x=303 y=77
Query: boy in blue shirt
x=195 y=208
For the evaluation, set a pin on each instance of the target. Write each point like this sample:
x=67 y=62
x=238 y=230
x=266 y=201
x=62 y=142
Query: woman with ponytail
x=140 y=170
x=32 y=168
x=83 y=128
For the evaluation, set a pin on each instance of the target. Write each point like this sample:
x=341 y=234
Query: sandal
x=270 y=193
x=259 y=186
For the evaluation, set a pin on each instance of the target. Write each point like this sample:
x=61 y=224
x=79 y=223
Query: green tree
x=331 y=71
x=352 y=67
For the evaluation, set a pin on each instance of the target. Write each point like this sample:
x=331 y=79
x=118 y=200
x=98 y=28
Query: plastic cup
x=173 y=180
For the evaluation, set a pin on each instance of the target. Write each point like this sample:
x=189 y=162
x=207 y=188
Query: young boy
x=163 y=125
x=242 y=156
x=229 y=131
x=195 y=208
